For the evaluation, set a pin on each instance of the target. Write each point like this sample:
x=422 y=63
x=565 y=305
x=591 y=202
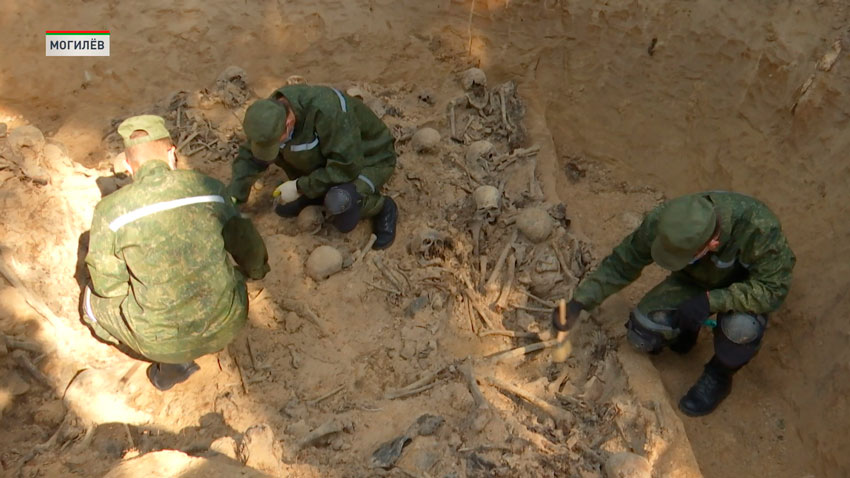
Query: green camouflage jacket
x=335 y=138
x=162 y=282
x=750 y=272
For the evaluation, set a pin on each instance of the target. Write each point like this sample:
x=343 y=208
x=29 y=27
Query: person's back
x=162 y=281
x=178 y=274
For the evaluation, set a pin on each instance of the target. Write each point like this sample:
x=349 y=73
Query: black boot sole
x=391 y=210
x=167 y=384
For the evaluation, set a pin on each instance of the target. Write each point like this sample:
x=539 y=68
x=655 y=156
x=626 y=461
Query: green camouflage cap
x=685 y=225
x=264 y=123
x=153 y=125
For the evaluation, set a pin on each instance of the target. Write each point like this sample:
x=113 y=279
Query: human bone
x=28 y=137
x=323 y=262
x=535 y=224
x=487 y=201
x=310 y=219
x=480 y=151
x=428 y=242
x=425 y=140
x=473 y=77
x=627 y=465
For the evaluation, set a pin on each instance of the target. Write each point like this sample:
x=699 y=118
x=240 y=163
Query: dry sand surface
x=609 y=108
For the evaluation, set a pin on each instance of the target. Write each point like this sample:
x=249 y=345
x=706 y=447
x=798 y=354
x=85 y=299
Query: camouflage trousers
x=107 y=322
x=368 y=184
x=677 y=288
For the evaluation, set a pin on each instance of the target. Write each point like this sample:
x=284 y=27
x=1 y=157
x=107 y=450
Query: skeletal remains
x=429 y=243
x=488 y=203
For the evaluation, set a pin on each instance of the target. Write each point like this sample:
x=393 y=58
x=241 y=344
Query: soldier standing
x=334 y=150
x=728 y=257
x=162 y=284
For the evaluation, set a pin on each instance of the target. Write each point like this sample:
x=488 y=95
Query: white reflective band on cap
x=341 y=100
x=89 y=311
x=131 y=216
x=305 y=146
x=367 y=181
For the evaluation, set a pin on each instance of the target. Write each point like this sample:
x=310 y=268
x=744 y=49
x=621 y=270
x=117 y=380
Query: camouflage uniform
x=337 y=139
x=750 y=272
x=747 y=277
x=162 y=283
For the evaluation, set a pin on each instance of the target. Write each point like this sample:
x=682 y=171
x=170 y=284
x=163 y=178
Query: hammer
x=564 y=347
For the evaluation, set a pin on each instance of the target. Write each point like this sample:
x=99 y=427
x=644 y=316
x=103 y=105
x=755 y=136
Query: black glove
x=574 y=309
x=292 y=209
x=692 y=313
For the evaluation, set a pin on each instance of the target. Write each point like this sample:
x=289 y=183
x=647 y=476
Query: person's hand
x=574 y=309
x=286 y=192
x=692 y=313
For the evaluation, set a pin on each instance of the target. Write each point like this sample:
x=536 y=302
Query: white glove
x=286 y=192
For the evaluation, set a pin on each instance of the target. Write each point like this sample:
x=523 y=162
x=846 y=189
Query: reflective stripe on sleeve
x=367 y=181
x=87 y=302
x=341 y=100
x=305 y=146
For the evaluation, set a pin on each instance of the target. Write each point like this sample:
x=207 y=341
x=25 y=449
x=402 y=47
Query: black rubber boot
x=163 y=376
x=711 y=388
x=384 y=224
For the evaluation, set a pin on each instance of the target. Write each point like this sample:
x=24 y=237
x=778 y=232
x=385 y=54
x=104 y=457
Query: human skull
x=487 y=201
x=425 y=140
x=473 y=77
x=231 y=74
x=429 y=243
x=480 y=151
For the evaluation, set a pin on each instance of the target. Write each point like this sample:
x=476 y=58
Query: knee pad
x=738 y=337
x=651 y=332
x=740 y=327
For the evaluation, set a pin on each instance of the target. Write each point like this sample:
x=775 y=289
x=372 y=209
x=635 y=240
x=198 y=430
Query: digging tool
x=564 y=347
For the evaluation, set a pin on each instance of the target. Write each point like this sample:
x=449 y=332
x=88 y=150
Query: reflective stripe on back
x=131 y=216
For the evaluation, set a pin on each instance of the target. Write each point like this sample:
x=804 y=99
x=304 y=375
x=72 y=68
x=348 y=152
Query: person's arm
x=245 y=245
x=108 y=271
x=770 y=264
x=340 y=145
x=245 y=171
x=622 y=267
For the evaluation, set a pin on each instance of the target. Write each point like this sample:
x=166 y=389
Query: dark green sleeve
x=340 y=144
x=245 y=245
x=770 y=263
x=622 y=267
x=246 y=170
x=108 y=271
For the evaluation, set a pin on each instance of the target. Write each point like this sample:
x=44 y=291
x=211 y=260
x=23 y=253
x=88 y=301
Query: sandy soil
x=629 y=101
